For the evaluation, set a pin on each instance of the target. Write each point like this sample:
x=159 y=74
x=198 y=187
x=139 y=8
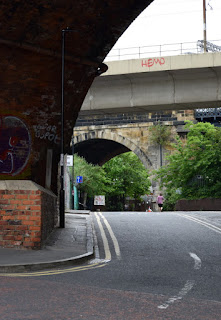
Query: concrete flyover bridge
x=165 y=83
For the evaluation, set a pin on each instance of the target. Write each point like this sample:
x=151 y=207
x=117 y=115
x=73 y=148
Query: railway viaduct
x=132 y=95
x=30 y=99
x=98 y=138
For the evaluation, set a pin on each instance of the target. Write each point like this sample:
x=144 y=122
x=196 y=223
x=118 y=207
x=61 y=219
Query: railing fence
x=163 y=50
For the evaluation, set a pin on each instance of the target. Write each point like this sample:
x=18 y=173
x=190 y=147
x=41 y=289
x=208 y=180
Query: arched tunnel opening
x=127 y=179
x=99 y=151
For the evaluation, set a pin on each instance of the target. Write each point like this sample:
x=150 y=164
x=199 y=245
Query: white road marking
x=183 y=292
x=203 y=223
x=104 y=238
x=114 y=239
x=188 y=286
x=197 y=261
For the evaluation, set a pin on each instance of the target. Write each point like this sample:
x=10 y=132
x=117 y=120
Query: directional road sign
x=79 y=179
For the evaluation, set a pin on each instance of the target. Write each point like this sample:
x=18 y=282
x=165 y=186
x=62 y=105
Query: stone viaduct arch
x=104 y=136
x=126 y=132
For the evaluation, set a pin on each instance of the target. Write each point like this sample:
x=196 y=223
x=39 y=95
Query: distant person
x=160 y=200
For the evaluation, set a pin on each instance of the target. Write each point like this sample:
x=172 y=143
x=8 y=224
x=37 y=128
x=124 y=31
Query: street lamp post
x=100 y=69
x=72 y=177
x=62 y=191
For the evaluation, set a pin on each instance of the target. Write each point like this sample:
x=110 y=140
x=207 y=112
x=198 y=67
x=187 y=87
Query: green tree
x=194 y=169
x=127 y=177
x=94 y=179
x=122 y=176
x=161 y=135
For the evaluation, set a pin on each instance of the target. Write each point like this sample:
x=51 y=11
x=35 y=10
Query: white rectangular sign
x=99 y=200
x=69 y=161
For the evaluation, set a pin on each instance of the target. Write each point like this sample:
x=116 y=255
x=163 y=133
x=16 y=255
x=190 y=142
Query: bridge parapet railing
x=207 y=113
x=170 y=49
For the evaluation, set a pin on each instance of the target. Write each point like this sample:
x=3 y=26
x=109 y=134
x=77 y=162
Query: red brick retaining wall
x=27 y=214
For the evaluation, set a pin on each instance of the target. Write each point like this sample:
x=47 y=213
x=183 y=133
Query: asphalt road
x=148 y=266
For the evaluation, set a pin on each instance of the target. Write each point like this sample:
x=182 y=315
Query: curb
x=78 y=211
x=38 y=266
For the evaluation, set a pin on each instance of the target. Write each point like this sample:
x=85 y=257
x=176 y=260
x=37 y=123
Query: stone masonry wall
x=132 y=131
x=27 y=214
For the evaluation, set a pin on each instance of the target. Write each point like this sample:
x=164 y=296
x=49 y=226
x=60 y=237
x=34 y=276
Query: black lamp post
x=100 y=69
x=62 y=192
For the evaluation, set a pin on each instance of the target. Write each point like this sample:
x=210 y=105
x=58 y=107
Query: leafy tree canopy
x=127 y=176
x=94 y=178
x=194 y=169
x=120 y=177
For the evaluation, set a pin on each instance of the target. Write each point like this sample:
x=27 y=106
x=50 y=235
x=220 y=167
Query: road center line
x=104 y=238
x=197 y=261
x=188 y=286
x=183 y=292
x=114 y=239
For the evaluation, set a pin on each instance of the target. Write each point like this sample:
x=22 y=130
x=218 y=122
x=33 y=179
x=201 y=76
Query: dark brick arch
x=30 y=47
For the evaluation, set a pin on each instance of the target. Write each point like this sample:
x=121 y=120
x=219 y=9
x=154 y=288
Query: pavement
x=67 y=246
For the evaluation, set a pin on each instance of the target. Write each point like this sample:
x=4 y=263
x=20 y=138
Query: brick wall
x=27 y=214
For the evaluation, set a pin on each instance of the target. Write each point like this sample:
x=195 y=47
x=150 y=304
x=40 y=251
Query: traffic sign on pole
x=79 y=179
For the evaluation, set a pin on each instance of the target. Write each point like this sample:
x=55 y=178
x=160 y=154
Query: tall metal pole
x=73 y=181
x=204 y=26
x=62 y=192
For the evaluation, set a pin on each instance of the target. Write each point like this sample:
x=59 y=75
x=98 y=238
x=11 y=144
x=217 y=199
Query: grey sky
x=173 y=21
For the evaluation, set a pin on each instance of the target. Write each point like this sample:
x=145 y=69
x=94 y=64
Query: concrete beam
x=180 y=83
x=168 y=63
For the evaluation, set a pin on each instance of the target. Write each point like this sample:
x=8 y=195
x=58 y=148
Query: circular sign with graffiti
x=15 y=145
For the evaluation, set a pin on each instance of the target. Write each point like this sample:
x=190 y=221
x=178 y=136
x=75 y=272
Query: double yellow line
x=53 y=272
x=104 y=237
x=96 y=265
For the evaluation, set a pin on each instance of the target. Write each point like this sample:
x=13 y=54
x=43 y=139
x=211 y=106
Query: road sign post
x=79 y=179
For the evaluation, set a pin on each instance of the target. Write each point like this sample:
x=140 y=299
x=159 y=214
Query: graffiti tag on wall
x=151 y=62
x=15 y=145
x=46 y=132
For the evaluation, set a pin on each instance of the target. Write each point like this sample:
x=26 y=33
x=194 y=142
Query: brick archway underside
x=30 y=96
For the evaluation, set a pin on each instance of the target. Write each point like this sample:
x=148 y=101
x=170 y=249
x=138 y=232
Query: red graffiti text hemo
x=152 y=62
